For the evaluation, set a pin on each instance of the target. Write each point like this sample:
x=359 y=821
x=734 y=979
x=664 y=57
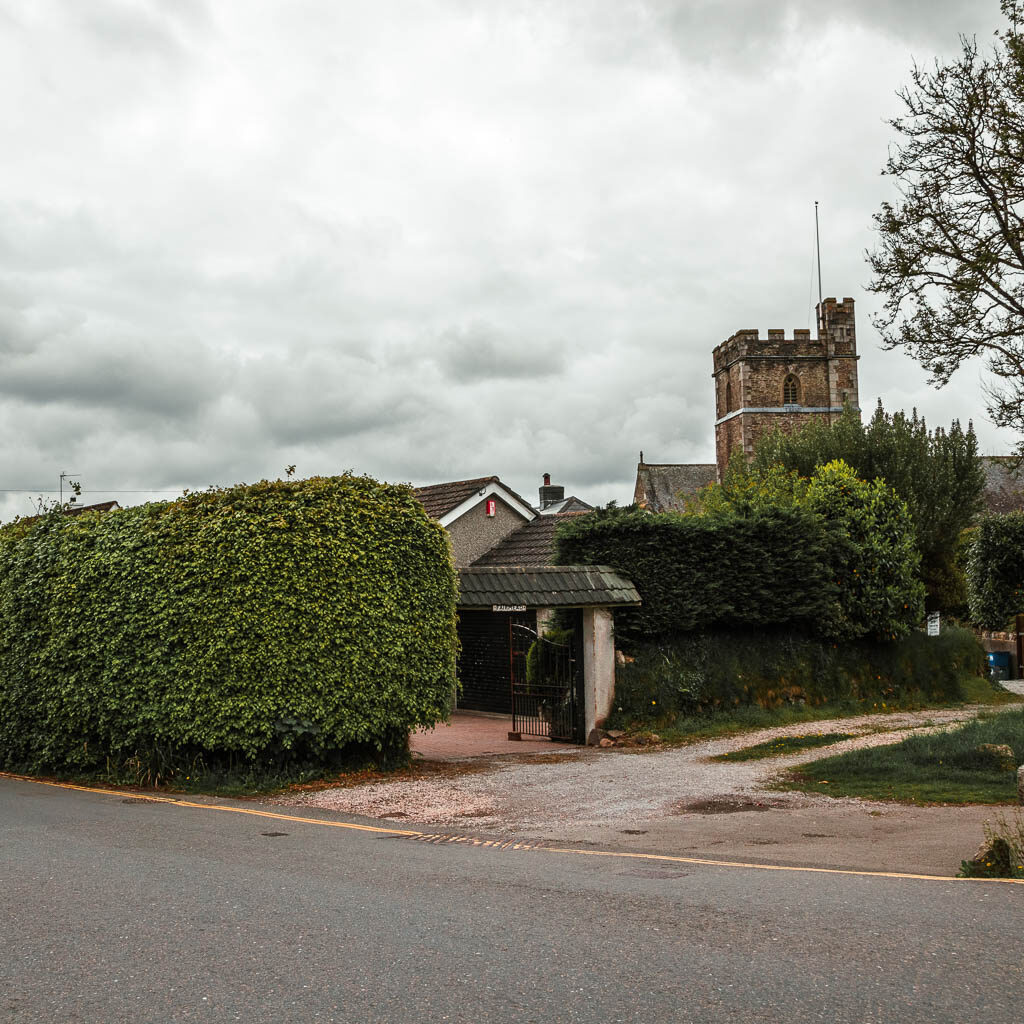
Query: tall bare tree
x=950 y=252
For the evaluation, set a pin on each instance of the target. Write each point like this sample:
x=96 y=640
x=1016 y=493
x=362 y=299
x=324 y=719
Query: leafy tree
x=937 y=473
x=950 y=253
x=873 y=557
x=744 y=492
x=879 y=589
x=995 y=570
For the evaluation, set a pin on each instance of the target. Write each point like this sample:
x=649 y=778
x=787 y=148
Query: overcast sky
x=428 y=240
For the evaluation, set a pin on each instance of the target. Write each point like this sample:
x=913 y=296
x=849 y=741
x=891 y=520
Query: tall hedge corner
x=261 y=623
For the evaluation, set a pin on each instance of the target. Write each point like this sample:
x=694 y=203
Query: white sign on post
x=933 y=624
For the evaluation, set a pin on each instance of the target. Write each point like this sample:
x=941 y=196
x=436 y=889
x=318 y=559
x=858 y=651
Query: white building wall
x=598 y=668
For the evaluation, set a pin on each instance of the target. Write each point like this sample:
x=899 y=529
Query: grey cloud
x=315 y=242
x=480 y=352
x=142 y=27
x=171 y=379
x=759 y=38
x=322 y=397
x=34 y=236
x=54 y=356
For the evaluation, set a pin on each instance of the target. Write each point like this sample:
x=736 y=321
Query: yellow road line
x=211 y=807
x=491 y=843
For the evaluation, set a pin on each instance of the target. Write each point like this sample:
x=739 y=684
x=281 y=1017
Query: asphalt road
x=124 y=910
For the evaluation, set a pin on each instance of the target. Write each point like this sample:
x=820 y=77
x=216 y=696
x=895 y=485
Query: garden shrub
x=269 y=624
x=705 y=672
x=995 y=570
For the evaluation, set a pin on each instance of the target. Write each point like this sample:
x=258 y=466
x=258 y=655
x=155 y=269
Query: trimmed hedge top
x=832 y=555
x=766 y=569
x=268 y=621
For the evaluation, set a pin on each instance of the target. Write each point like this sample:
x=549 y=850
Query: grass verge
x=947 y=767
x=685 y=729
x=784 y=745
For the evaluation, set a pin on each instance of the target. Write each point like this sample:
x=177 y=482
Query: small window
x=791 y=391
x=728 y=397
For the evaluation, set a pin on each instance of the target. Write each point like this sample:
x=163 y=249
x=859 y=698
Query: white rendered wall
x=598 y=667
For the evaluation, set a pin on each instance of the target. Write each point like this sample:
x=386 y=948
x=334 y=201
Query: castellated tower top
x=764 y=383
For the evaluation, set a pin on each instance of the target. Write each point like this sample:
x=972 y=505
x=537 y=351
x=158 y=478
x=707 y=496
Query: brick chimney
x=550 y=493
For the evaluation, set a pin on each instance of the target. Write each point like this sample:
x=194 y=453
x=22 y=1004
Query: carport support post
x=544 y=617
x=598 y=669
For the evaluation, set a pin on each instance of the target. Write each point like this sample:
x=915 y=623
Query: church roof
x=1004 y=483
x=664 y=487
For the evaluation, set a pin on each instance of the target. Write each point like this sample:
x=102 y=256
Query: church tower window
x=791 y=390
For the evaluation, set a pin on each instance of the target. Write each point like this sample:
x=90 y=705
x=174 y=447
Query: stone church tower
x=783 y=382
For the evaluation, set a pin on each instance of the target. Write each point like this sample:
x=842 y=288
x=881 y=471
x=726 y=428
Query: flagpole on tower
x=817 y=249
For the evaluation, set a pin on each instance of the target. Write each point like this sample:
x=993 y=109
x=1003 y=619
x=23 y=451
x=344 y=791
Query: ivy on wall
x=279 y=620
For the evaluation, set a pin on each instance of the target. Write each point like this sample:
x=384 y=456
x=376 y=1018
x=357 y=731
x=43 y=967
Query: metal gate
x=484 y=659
x=547 y=675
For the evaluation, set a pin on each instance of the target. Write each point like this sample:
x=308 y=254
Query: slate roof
x=1004 y=487
x=532 y=544
x=552 y=586
x=75 y=510
x=570 y=504
x=439 y=499
x=664 y=487
x=103 y=506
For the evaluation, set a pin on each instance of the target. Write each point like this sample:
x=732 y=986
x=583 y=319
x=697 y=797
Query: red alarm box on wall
x=490 y=507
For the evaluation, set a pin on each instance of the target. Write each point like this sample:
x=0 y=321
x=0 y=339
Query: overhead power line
x=93 y=490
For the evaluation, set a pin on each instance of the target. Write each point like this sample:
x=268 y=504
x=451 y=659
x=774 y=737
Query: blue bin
x=999 y=665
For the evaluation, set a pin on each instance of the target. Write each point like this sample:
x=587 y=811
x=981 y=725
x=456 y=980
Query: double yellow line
x=444 y=838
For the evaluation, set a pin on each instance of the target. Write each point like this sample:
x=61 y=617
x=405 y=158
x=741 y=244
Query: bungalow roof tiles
x=440 y=499
x=532 y=544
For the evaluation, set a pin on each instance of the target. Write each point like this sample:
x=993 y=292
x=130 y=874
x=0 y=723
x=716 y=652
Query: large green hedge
x=995 y=570
x=707 y=672
x=832 y=555
x=267 y=623
x=768 y=568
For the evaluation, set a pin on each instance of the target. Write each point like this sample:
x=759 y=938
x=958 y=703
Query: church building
x=761 y=384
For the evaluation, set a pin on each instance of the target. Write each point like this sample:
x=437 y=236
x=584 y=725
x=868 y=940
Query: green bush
x=707 y=672
x=271 y=624
x=543 y=655
x=995 y=570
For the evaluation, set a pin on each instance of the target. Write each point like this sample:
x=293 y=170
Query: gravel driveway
x=587 y=792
